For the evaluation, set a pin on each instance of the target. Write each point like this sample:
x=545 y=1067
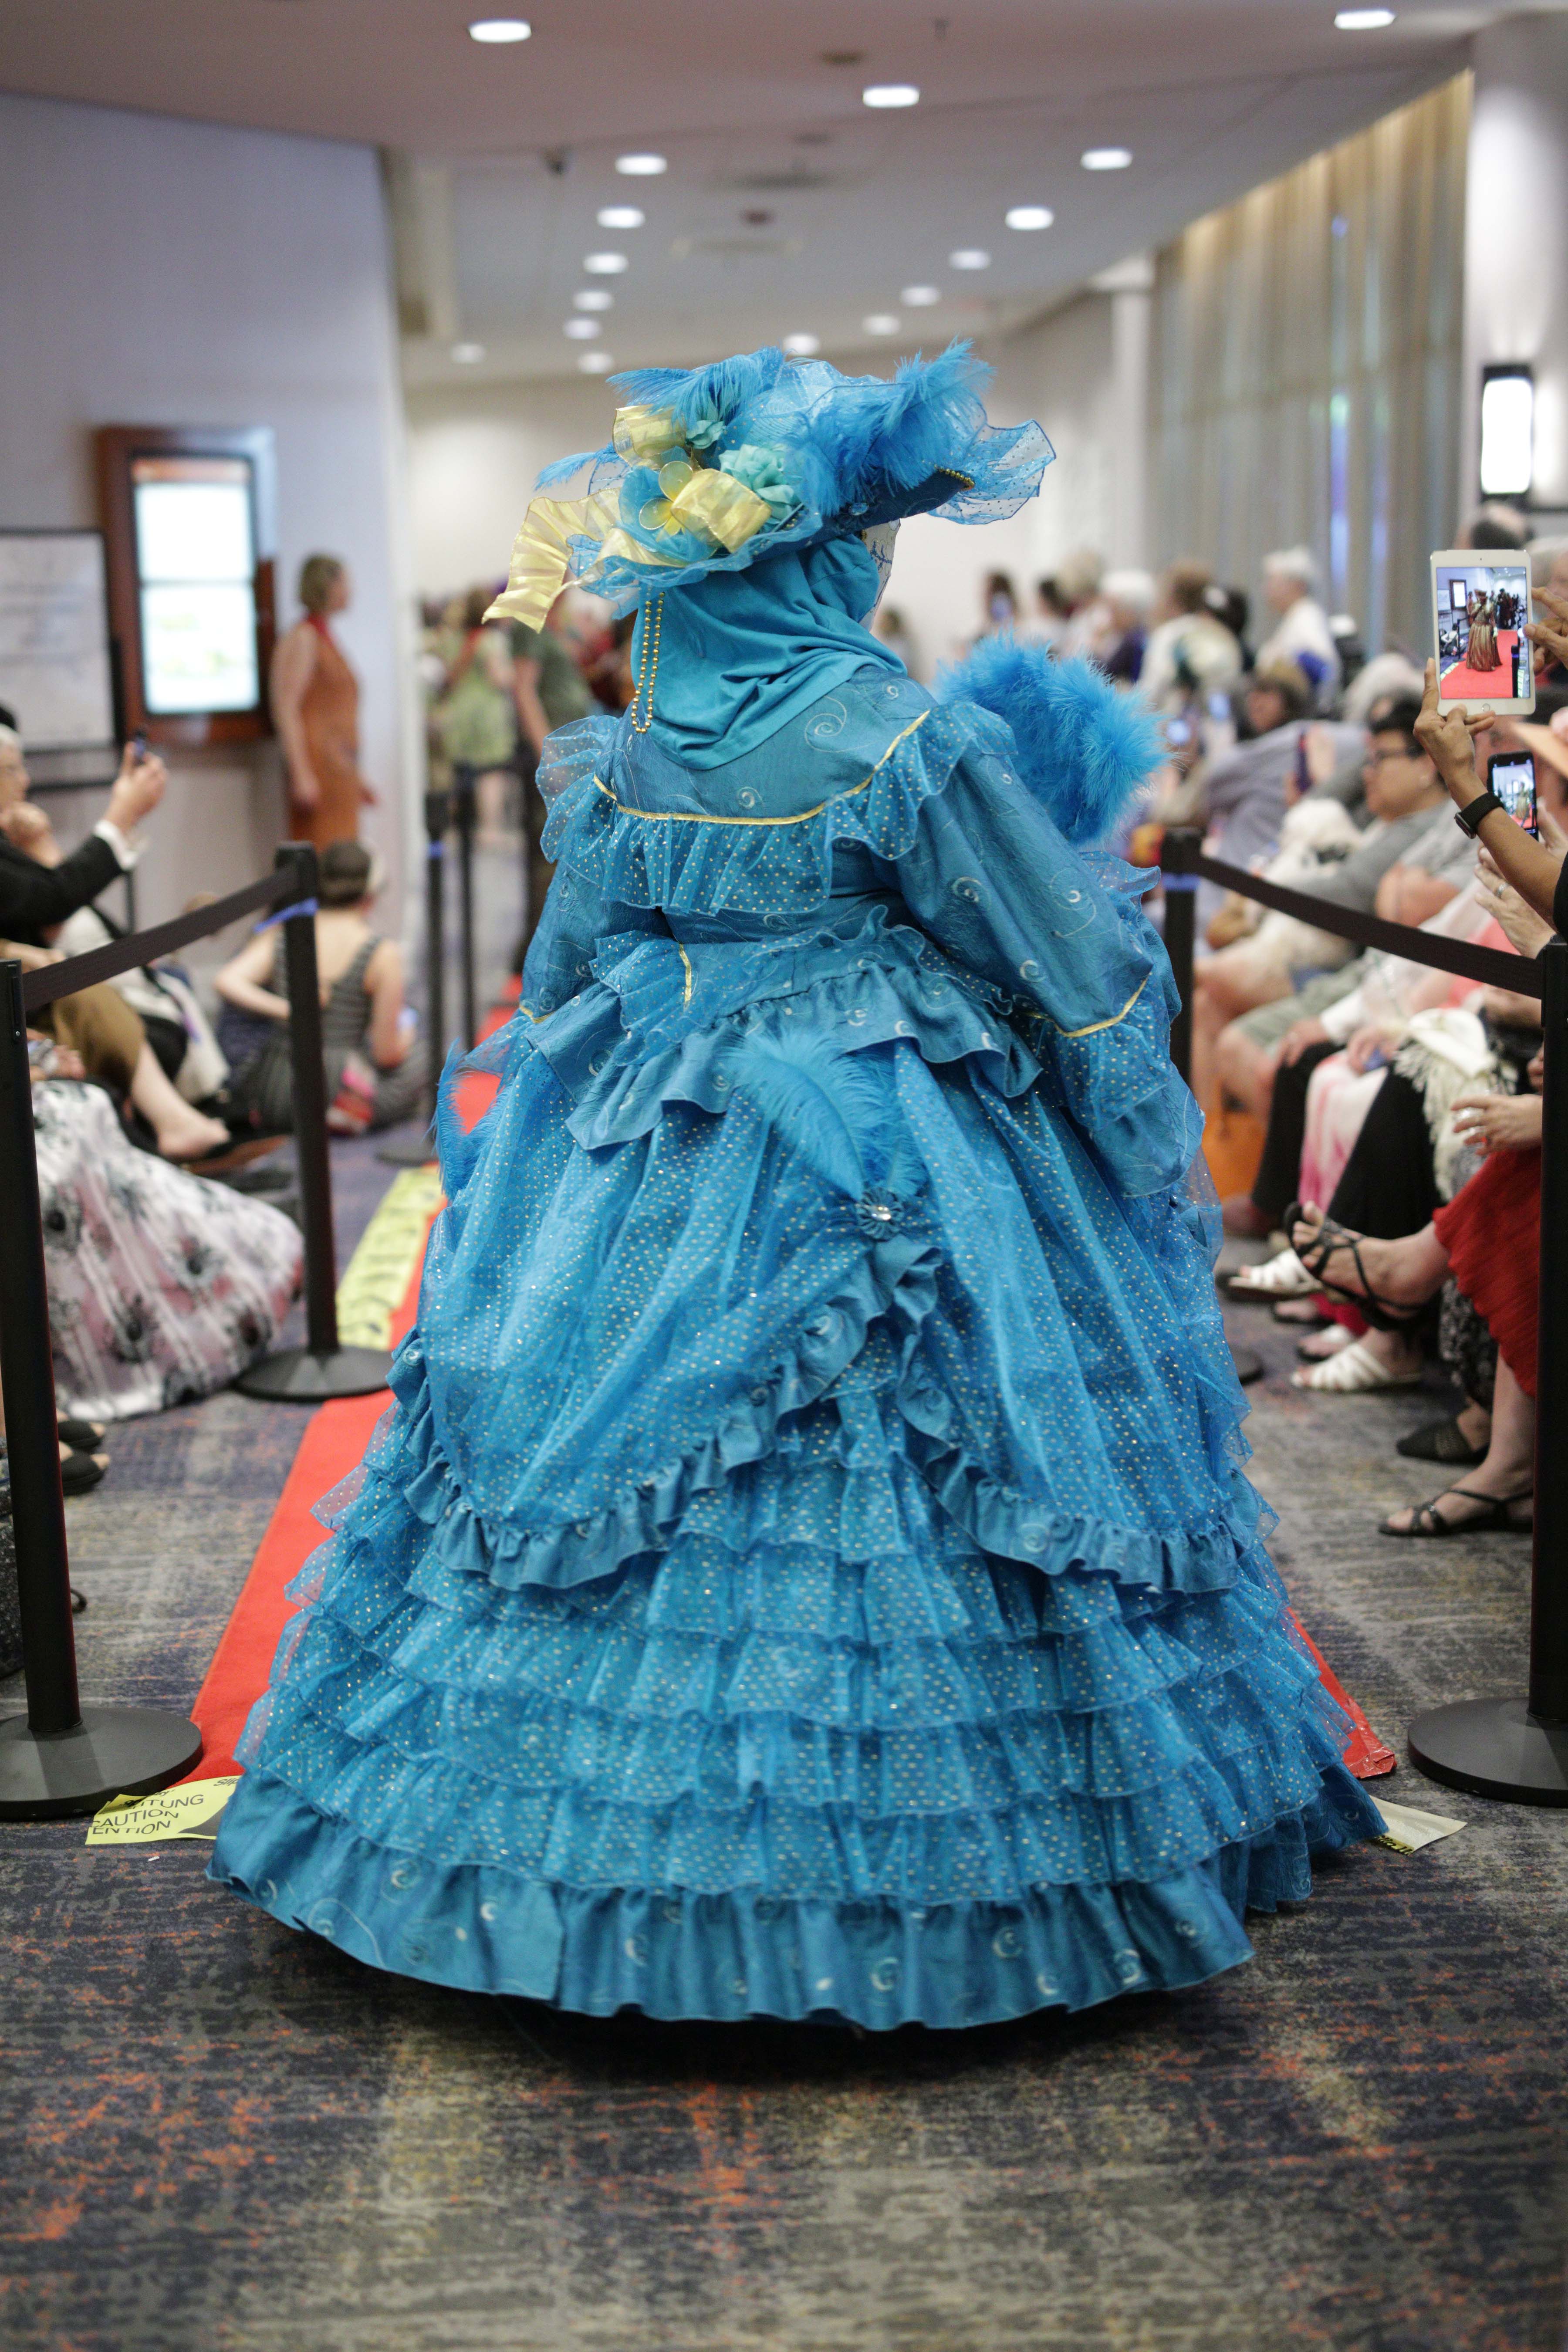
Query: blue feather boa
x=1084 y=749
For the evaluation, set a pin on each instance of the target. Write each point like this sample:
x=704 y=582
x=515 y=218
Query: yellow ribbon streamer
x=702 y=499
x=541 y=552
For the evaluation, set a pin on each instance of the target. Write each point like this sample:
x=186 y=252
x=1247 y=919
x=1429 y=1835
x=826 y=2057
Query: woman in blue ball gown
x=807 y=1570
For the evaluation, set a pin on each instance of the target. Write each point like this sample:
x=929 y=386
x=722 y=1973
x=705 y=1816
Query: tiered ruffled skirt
x=807 y=1570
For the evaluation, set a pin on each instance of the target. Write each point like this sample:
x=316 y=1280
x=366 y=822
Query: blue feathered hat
x=714 y=469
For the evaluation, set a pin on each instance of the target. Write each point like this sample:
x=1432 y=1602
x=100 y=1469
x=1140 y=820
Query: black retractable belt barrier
x=1512 y=1748
x=321 y=1369
x=417 y=1150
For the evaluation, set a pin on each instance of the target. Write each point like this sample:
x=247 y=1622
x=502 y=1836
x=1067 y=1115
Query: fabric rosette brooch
x=676 y=504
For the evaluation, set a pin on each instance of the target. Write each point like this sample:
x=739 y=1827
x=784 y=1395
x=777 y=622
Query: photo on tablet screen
x=1483 y=654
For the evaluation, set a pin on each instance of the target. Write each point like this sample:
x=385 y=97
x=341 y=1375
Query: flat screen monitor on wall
x=188 y=519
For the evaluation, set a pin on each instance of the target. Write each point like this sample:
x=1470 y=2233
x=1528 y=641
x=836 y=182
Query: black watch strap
x=1474 y=815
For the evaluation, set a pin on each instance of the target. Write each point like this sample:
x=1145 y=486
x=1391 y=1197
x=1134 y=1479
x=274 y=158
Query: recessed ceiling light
x=969 y=256
x=920 y=298
x=499 y=29
x=604 y=265
x=1030 y=217
x=467 y=354
x=596 y=363
x=1364 y=20
x=890 y=93
x=641 y=167
x=582 y=331
x=881 y=322
x=801 y=347
x=621 y=217
x=1106 y=159
x=594 y=298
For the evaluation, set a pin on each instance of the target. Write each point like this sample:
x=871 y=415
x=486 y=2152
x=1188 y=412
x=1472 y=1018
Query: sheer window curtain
x=1306 y=371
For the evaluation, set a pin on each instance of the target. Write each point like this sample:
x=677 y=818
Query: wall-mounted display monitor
x=188 y=516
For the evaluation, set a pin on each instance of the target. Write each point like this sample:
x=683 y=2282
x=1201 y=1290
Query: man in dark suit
x=39 y=889
x=34 y=898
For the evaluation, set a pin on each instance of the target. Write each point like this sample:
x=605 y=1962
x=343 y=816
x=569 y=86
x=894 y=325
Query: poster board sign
x=55 y=669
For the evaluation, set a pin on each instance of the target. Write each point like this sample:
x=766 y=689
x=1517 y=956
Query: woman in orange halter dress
x=315 y=702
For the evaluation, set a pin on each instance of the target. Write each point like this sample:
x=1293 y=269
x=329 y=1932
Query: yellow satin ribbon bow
x=696 y=498
x=542 y=551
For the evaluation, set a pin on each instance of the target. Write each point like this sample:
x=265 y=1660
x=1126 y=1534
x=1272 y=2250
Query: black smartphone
x=1512 y=775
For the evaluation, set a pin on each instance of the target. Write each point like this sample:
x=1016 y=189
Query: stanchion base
x=409 y=1151
x=301 y=1376
x=1493 y=1748
x=1249 y=1365
x=114 y=1751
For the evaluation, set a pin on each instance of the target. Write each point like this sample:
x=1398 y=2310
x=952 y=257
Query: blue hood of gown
x=743 y=653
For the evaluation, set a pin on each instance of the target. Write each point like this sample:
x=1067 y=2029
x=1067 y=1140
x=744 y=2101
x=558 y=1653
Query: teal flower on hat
x=762 y=471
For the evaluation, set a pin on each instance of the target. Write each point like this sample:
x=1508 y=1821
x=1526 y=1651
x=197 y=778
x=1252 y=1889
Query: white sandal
x=1352 y=1372
x=1284 y=1276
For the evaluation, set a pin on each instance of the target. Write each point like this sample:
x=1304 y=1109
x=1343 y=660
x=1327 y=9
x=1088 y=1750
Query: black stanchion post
x=463 y=811
x=1516 y=1749
x=321 y=1367
x=1178 y=860
x=60 y=1757
x=417 y=1150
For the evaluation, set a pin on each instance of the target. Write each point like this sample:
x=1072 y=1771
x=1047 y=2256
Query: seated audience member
x=1247 y=793
x=1493 y=525
x=1411 y=830
x=1129 y=601
x=1374 y=1011
x=1487 y=1240
x=1046 y=624
x=1189 y=653
x=161 y=1286
x=40 y=890
x=373 y=1080
x=1300 y=633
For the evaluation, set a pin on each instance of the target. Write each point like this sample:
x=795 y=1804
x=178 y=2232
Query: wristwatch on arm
x=1474 y=815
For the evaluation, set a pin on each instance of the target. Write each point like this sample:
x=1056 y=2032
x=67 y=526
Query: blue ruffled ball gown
x=807 y=1570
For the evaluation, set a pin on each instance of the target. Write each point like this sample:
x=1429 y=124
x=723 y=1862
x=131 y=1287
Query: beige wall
x=163 y=272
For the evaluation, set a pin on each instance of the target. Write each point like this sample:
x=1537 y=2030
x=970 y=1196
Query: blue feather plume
x=829 y=1106
x=1083 y=747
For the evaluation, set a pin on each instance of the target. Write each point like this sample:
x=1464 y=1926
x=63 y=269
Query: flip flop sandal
x=1331 y=1235
x=1354 y=1371
x=1441 y=1441
x=82 y=1435
x=1427 y=1523
x=1284 y=1276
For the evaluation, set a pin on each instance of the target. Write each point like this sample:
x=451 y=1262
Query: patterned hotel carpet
x=222 y=2135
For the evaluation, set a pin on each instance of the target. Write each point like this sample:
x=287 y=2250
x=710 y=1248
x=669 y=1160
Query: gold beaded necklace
x=648 y=668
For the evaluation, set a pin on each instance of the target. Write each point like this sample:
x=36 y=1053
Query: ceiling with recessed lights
x=843 y=171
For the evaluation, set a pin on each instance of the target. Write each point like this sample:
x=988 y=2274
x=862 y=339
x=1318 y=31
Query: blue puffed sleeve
x=560 y=956
x=993 y=880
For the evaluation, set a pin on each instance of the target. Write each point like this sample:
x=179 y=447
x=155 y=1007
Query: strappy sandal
x=1427 y=1523
x=1331 y=1235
